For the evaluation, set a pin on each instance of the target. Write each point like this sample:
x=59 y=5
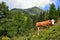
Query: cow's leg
x=37 y=30
x=48 y=26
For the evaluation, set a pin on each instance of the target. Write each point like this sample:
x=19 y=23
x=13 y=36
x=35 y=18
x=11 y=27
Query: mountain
x=34 y=10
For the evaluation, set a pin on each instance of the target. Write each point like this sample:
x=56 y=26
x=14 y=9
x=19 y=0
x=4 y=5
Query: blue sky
x=25 y=4
x=57 y=3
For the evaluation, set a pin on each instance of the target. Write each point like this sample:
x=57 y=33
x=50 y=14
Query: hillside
x=52 y=33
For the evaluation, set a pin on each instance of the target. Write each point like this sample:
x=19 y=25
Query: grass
x=52 y=33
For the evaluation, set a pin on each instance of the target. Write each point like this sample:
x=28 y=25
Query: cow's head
x=53 y=21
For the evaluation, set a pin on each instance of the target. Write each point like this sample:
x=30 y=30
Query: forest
x=21 y=23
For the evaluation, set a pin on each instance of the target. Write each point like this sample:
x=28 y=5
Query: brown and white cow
x=46 y=23
x=43 y=23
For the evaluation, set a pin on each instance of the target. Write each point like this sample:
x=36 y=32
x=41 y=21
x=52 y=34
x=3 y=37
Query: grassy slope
x=52 y=33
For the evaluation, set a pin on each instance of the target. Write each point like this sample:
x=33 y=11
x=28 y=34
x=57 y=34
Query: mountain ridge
x=34 y=10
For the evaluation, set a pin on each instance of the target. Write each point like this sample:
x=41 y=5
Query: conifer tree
x=52 y=12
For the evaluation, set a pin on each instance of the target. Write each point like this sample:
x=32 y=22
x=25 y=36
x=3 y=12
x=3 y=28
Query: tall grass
x=52 y=33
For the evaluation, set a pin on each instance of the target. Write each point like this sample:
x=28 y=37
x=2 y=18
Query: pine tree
x=58 y=11
x=52 y=12
x=3 y=9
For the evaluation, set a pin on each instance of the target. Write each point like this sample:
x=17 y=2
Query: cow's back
x=43 y=23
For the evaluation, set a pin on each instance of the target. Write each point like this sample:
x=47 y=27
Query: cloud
x=24 y=4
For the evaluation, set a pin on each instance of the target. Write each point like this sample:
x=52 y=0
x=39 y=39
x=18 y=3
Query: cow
x=46 y=23
x=43 y=23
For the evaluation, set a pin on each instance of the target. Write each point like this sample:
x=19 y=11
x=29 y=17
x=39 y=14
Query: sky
x=25 y=4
